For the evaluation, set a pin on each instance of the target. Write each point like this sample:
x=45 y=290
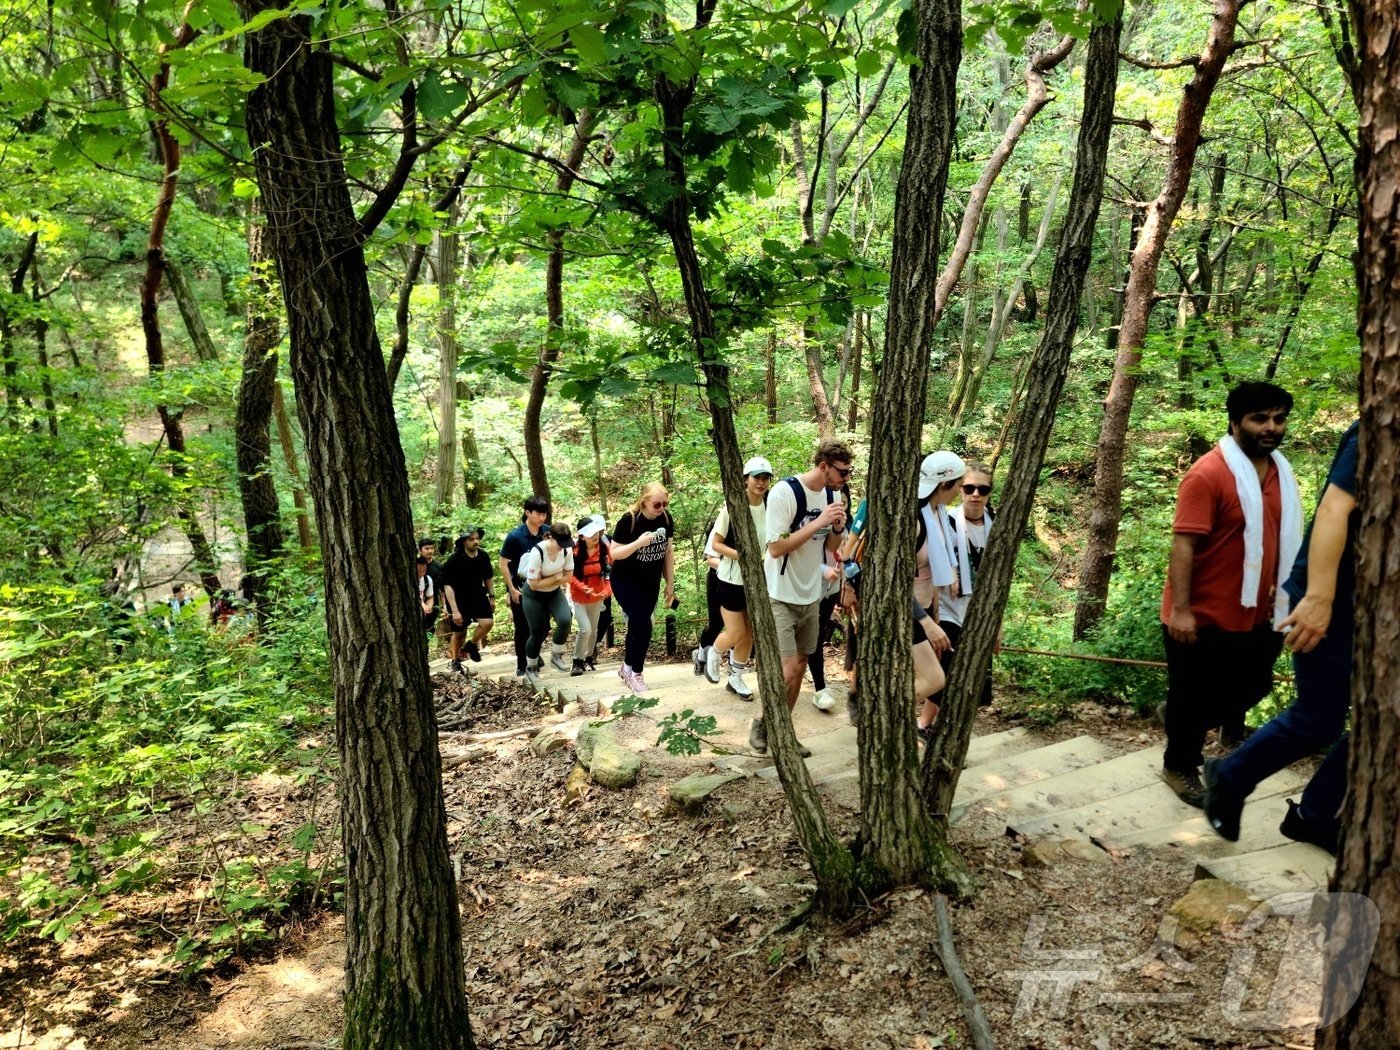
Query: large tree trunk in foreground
x=1050 y=366
x=832 y=864
x=252 y=429
x=404 y=984
x=1138 y=299
x=1370 y=854
x=898 y=835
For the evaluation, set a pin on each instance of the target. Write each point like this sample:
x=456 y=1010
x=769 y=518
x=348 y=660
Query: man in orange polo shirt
x=1235 y=507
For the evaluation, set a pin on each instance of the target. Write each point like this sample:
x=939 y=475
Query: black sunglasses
x=979 y=490
x=845 y=472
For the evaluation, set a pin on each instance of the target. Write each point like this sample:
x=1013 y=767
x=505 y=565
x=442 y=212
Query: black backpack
x=800 y=501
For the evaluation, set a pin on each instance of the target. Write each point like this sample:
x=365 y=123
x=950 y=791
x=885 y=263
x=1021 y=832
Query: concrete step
x=1079 y=787
x=1294 y=866
x=1141 y=827
x=1027 y=767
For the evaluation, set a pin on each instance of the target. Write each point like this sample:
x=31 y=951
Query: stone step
x=993 y=747
x=1131 y=829
x=985 y=779
x=1140 y=814
x=1294 y=866
x=1079 y=787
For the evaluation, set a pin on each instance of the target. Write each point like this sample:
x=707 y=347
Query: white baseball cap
x=757 y=465
x=937 y=468
x=595 y=525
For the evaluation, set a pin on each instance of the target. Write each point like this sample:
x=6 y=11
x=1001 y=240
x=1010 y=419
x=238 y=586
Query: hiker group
x=813 y=547
x=1243 y=582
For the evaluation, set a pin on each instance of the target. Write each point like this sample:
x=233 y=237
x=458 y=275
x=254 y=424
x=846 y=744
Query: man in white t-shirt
x=797 y=539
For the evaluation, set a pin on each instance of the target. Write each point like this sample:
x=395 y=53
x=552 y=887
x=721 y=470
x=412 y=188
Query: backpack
x=799 y=499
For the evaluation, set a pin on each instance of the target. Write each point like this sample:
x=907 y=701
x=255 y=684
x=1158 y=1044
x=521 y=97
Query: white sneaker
x=736 y=683
x=635 y=682
x=712 y=665
x=823 y=700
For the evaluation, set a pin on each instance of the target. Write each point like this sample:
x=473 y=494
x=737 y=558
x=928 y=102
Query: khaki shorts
x=797 y=627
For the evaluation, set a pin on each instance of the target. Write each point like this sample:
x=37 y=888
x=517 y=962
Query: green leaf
x=680 y=373
x=868 y=63
x=590 y=44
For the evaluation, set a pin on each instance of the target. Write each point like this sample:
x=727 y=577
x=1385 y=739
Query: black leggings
x=817 y=660
x=521 y=623
x=715 y=624
x=638 y=601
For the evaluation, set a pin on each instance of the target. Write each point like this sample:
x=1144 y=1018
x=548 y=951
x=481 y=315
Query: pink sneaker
x=638 y=686
x=623 y=671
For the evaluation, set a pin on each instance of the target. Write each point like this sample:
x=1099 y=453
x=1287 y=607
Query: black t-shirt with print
x=646 y=563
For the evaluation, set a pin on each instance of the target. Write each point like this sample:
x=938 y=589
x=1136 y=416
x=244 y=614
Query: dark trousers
x=539 y=610
x=521 y=626
x=638 y=601
x=1212 y=682
x=946 y=658
x=816 y=662
x=715 y=623
x=1313 y=721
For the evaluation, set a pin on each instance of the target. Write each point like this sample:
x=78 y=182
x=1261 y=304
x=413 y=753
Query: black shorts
x=731 y=596
x=476 y=607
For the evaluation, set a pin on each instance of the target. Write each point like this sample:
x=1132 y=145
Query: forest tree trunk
x=770 y=377
x=953 y=730
x=816 y=378
x=1102 y=541
x=289 y=457
x=204 y=557
x=445 y=272
x=41 y=349
x=833 y=867
x=554 y=313
x=252 y=430
x=188 y=305
x=404 y=984
x=7 y=332
x=1370 y=852
x=900 y=839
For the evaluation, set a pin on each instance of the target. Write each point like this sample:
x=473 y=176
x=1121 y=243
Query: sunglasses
x=660 y=504
x=977 y=490
x=845 y=472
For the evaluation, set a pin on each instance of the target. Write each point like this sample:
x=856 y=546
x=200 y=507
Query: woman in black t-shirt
x=642 y=556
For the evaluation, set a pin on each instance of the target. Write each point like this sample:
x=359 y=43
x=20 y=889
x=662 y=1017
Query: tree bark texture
x=554 y=314
x=41 y=349
x=953 y=730
x=1370 y=855
x=1138 y=299
x=404 y=985
x=252 y=428
x=816 y=378
x=899 y=838
x=204 y=557
x=770 y=377
x=833 y=867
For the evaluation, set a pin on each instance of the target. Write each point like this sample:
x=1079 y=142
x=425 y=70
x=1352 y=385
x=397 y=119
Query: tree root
x=948 y=956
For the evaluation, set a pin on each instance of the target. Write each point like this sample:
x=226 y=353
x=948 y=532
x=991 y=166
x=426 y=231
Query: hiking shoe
x=1233 y=738
x=736 y=683
x=1223 y=807
x=457 y=666
x=591 y=662
x=473 y=651
x=823 y=701
x=758 y=737
x=520 y=672
x=1300 y=829
x=556 y=658
x=712 y=665
x=1186 y=785
x=697 y=660
x=577 y=669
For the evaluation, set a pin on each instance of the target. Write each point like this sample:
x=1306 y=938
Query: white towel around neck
x=1290 y=532
x=964 y=560
x=942 y=553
